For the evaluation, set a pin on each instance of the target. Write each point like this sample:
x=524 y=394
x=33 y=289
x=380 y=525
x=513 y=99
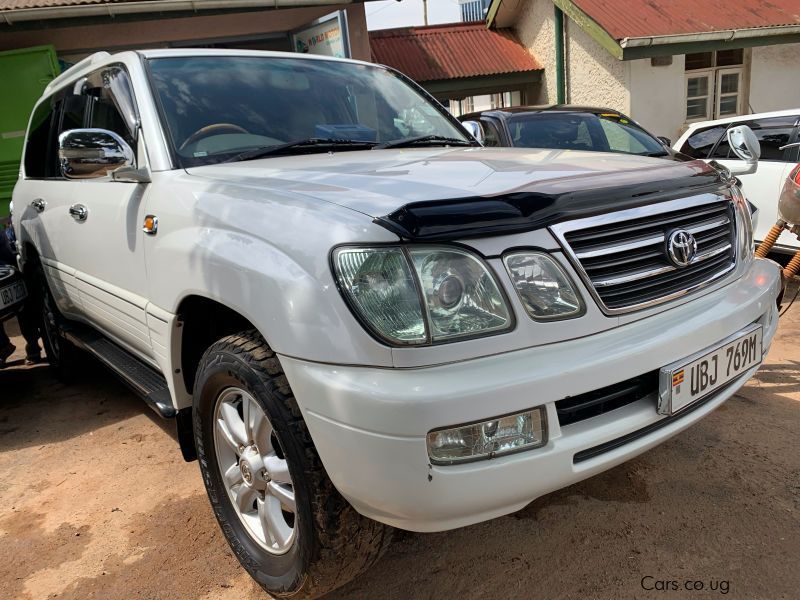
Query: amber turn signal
x=150 y=224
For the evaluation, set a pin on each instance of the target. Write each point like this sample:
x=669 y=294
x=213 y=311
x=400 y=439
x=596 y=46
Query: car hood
x=395 y=187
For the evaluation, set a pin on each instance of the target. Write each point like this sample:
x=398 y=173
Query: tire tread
x=347 y=543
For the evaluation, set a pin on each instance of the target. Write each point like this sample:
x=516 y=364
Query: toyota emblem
x=681 y=248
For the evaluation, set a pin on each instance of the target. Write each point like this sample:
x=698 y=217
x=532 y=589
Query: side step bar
x=141 y=378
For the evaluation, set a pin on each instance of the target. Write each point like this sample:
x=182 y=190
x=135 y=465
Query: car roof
x=186 y=52
x=558 y=108
x=764 y=115
x=100 y=59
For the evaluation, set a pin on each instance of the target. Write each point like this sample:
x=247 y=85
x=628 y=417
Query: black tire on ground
x=333 y=543
x=60 y=353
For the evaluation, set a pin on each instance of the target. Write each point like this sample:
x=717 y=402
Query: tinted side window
x=73 y=112
x=771 y=133
x=702 y=142
x=41 y=148
x=110 y=103
x=491 y=135
x=561 y=131
x=104 y=115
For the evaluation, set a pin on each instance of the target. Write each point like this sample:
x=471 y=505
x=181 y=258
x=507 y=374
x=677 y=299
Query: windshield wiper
x=428 y=140
x=313 y=143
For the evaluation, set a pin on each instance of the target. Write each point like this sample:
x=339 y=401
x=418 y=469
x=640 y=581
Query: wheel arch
x=203 y=321
x=200 y=322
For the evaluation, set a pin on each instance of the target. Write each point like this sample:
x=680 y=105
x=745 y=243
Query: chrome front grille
x=623 y=257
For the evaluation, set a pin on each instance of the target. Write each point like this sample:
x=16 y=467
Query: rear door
x=41 y=201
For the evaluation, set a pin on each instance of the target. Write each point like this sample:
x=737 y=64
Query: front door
x=90 y=231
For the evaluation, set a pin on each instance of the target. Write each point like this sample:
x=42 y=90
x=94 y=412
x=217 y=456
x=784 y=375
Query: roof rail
x=89 y=60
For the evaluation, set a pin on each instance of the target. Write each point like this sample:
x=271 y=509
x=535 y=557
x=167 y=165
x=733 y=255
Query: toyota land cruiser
x=359 y=318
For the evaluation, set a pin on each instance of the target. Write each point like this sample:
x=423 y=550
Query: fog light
x=488 y=439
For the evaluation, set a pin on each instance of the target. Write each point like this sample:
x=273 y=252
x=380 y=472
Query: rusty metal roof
x=451 y=51
x=19 y=4
x=11 y=5
x=652 y=18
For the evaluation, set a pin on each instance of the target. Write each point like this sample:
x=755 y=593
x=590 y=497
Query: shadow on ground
x=36 y=407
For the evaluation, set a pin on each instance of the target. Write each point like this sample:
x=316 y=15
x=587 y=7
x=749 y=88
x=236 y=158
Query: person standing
x=27 y=318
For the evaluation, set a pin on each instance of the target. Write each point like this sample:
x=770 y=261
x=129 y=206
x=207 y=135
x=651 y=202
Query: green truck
x=24 y=74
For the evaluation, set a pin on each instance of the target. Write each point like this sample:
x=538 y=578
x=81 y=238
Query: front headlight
x=544 y=288
x=421 y=295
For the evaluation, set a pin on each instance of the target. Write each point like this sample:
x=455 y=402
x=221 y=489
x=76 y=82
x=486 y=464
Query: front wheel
x=284 y=520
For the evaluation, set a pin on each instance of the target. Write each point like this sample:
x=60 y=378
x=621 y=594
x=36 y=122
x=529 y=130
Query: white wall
x=594 y=77
x=775 y=78
x=658 y=97
x=535 y=29
x=658 y=94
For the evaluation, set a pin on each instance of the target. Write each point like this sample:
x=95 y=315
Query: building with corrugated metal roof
x=76 y=28
x=666 y=64
x=457 y=61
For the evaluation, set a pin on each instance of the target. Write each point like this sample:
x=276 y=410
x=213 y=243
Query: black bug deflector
x=548 y=202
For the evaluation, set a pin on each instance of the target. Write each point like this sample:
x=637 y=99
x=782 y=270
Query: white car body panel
x=763 y=187
x=373 y=445
x=100 y=260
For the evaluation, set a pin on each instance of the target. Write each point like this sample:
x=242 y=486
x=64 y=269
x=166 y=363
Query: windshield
x=218 y=107
x=605 y=132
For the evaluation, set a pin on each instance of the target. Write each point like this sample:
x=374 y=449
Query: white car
x=359 y=317
x=706 y=140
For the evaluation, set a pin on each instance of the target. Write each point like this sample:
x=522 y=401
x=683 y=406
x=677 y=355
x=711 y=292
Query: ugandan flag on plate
x=677 y=378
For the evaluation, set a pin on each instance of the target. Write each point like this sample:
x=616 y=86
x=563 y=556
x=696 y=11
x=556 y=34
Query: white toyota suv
x=361 y=319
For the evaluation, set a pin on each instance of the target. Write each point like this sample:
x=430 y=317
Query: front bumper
x=369 y=425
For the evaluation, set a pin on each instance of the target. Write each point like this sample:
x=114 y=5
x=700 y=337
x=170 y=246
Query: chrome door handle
x=39 y=205
x=78 y=212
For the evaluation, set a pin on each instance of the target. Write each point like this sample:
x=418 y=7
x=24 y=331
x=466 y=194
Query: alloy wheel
x=254 y=470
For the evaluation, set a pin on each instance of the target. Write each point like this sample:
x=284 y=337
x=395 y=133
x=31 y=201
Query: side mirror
x=744 y=144
x=475 y=129
x=665 y=140
x=93 y=153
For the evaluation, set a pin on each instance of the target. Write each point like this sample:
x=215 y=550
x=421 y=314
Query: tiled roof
x=450 y=51
x=651 y=18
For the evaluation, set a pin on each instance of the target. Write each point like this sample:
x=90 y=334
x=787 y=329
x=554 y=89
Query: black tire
x=333 y=543
x=60 y=353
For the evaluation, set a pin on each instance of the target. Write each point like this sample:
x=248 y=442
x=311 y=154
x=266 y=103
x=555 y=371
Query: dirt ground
x=96 y=502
